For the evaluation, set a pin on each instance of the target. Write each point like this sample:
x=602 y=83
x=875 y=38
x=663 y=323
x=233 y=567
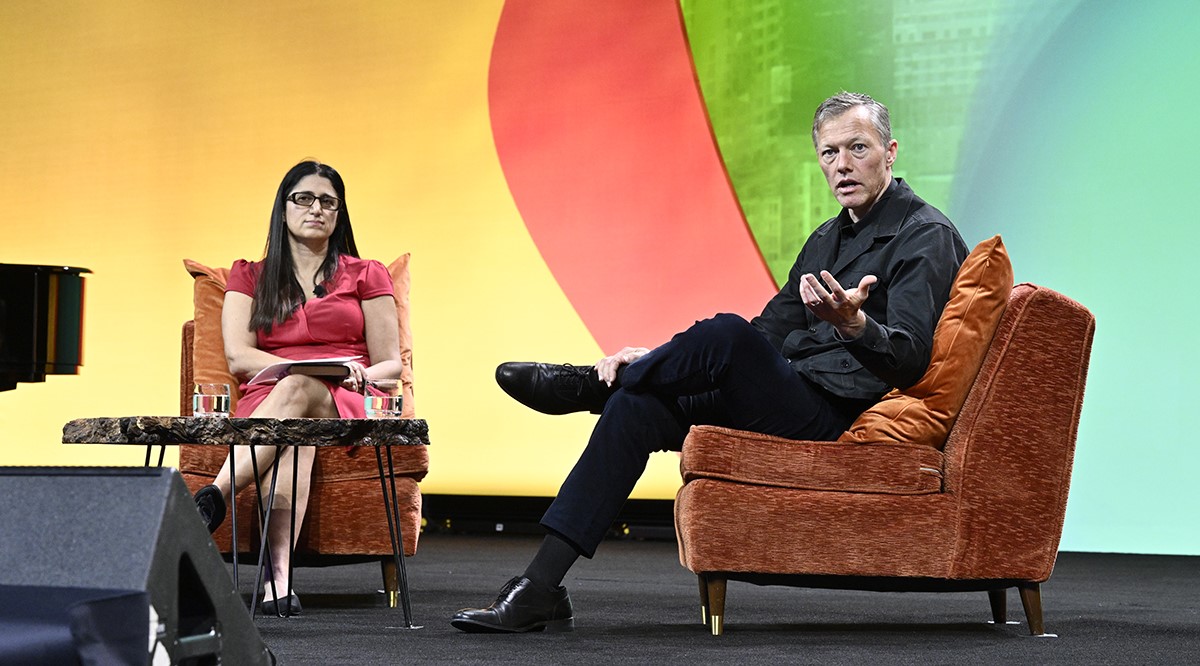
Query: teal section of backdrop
x=1086 y=165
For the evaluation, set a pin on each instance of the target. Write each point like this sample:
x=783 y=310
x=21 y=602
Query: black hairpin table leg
x=391 y=508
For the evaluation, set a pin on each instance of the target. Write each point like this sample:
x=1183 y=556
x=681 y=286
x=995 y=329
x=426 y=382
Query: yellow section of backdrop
x=135 y=134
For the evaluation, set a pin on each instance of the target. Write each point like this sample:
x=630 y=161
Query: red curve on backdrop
x=607 y=149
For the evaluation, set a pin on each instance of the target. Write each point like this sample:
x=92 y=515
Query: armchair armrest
x=745 y=457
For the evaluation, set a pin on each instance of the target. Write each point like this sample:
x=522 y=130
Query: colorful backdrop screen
x=572 y=177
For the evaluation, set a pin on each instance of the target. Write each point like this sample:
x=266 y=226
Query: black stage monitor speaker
x=114 y=565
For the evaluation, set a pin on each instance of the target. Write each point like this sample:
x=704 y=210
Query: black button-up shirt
x=915 y=252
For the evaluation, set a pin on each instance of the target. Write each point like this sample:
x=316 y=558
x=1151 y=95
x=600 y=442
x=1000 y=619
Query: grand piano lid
x=37 y=268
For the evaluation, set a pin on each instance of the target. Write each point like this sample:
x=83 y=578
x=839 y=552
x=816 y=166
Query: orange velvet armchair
x=345 y=519
x=956 y=484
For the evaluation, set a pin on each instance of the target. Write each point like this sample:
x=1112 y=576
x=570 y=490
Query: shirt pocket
x=841 y=374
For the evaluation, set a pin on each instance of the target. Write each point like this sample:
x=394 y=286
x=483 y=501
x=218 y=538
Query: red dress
x=329 y=326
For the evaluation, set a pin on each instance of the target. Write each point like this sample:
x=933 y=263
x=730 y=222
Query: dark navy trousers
x=720 y=371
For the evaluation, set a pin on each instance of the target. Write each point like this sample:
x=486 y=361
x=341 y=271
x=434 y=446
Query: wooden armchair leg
x=716 y=602
x=1031 y=599
x=999 y=601
x=703 y=599
x=391 y=583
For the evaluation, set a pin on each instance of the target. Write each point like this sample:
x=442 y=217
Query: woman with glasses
x=310 y=297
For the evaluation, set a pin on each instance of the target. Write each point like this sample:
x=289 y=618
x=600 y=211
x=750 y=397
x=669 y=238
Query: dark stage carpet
x=635 y=604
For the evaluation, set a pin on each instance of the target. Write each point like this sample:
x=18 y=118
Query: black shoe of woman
x=281 y=606
x=211 y=505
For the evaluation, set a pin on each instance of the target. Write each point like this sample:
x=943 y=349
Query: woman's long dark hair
x=278 y=293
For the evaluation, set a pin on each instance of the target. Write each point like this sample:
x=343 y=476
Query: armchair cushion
x=208 y=347
x=763 y=460
x=924 y=413
x=208 y=352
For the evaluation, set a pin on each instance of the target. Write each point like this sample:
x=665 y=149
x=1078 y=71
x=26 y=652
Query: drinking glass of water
x=210 y=400
x=383 y=406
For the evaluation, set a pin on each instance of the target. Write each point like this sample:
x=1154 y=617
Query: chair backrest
x=187 y=368
x=1008 y=458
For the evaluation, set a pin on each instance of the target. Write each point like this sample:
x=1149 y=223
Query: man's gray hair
x=843 y=102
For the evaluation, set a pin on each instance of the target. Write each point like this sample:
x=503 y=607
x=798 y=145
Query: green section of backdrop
x=1059 y=125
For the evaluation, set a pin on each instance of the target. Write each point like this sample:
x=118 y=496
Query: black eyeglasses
x=306 y=199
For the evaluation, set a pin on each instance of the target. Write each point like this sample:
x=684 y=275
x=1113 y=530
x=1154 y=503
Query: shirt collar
x=850 y=228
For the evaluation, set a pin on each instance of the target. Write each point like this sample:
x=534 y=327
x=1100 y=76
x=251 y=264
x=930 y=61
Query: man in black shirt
x=855 y=318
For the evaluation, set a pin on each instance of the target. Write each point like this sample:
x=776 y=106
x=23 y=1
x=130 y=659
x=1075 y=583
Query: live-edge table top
x=219 y=431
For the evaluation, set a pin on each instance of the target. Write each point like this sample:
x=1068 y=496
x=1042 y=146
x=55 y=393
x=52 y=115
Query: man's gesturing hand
x=835 y=305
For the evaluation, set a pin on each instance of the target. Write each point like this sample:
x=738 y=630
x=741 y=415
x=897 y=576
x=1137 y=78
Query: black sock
x=552 y=562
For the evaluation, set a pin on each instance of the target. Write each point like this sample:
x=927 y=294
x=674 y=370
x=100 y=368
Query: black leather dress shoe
x=554 y=389
x=522 y=606
x=211 y=505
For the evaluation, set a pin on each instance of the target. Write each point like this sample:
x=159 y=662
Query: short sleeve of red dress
x=374 y=281
x=243 y=276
